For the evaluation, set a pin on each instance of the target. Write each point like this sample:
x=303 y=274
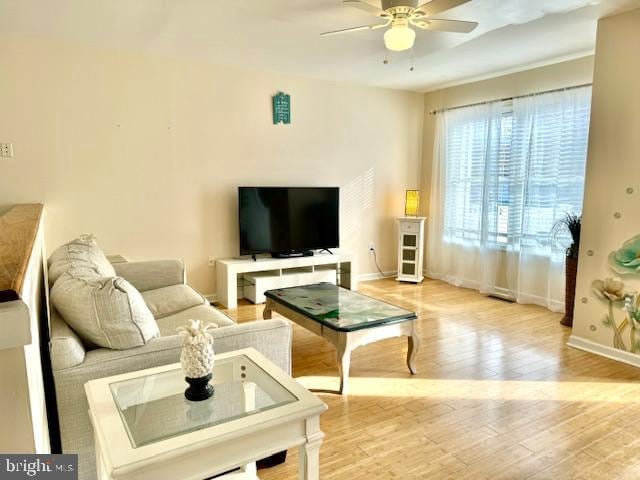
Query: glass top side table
x=145 y=428
x=242 y=388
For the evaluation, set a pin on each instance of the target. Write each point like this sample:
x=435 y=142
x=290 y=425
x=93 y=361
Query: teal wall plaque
x=281 y=108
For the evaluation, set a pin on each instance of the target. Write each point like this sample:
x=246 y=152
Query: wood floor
x=498 y=395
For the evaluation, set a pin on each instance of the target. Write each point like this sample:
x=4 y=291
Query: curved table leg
x=414 y=346
x=343 y=357
x=268 y=308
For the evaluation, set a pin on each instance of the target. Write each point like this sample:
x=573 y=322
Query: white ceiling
x=283 y=35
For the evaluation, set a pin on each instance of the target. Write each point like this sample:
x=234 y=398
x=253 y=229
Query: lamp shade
x=399 y=37
x=412 y=201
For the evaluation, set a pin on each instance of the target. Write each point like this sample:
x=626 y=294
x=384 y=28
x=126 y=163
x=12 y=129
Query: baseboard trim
x=365 y=277
x=604 y=350
x=211 y=297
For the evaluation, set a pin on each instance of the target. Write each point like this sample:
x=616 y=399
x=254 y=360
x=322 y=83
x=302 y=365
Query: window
x=513 y=169
x=504 y=163
x=465 y=148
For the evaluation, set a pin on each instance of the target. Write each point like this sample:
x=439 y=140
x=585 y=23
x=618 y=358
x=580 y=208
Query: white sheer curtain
x=503 y=174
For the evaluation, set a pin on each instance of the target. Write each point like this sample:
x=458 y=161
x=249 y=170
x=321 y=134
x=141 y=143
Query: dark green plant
x=572 y=223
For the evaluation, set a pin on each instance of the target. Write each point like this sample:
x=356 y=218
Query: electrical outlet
x=212 y=261
x=372 y=246
x=6 y=150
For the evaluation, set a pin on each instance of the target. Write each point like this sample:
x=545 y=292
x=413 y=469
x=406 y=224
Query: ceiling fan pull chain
x=412 y=50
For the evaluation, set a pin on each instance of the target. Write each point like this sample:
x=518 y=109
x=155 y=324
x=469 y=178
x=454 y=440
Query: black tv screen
x=283 y=220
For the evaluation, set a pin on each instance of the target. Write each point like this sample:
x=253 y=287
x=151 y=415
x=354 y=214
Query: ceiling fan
x=402 y=14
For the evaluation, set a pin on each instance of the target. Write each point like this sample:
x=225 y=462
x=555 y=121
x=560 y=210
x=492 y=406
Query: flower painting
x=612 y=291
x=609 y=289
x=626 y=260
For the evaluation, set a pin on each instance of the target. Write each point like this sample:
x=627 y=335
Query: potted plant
x=572 y=223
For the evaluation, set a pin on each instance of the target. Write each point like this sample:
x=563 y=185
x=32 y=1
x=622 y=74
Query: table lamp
x=412 y=199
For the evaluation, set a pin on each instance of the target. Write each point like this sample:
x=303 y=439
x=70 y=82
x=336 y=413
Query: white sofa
x=172 y=302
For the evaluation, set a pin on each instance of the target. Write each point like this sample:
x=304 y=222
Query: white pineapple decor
x=197 y=359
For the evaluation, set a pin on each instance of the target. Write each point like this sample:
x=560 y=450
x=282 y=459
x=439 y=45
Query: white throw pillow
x=104 y=311
x=81 y=253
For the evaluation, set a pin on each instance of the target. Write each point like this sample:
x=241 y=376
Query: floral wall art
x=618 y=298
x=623 y=315
x=623 y=304
x=607 y=302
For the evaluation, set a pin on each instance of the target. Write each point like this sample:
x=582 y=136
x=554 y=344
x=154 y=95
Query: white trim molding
x=509 y=71
x=211 y=298
x=604 y=350
x=365 y=277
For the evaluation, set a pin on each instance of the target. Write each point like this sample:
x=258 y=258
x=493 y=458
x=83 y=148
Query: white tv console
x=293 y=271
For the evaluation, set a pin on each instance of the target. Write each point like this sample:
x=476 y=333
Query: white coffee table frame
x=213 y=450
x=347 y=341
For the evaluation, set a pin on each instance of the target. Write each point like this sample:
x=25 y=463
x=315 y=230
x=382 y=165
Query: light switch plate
x=6 y=150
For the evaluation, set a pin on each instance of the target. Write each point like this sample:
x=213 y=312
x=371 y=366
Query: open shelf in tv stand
x=229 y=270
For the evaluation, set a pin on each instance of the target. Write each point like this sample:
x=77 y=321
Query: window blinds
x=512 y=170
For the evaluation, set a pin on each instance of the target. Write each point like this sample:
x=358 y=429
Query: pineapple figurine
x=197 y=359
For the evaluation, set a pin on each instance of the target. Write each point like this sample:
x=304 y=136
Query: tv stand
x=303 y=269
x=306 y=253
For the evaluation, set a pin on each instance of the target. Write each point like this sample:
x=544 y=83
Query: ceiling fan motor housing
x=387 y=4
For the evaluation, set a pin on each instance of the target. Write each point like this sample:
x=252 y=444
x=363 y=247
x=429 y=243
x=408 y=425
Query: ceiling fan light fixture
x=399 y=38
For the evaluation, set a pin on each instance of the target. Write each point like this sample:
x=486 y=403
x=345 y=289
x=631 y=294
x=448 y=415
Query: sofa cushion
x=168 y=325
x=66 y=348
x=172 y=299
x=105 y=312
x=82 y=254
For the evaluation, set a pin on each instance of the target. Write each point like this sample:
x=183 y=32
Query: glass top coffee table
x=345 y=318
x=145 y=428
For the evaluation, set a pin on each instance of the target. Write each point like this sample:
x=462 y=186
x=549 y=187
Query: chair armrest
x=152 y=274
x=116 y=259
x=104 y=362
x=65 y=347
x=272 y=338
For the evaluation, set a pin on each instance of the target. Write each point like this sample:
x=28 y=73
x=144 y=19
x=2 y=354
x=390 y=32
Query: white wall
x=613 y=166
x=147 y=152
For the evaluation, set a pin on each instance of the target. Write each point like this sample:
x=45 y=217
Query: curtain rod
x=433 y=112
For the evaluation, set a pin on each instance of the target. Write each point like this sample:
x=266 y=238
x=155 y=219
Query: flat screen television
x=287 y=221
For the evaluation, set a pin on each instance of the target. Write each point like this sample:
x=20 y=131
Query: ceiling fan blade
x=435 y=7
x=456 y=26
x=365 y=6
x=354 y=29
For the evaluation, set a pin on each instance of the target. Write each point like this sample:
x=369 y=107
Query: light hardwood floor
x=498 y=395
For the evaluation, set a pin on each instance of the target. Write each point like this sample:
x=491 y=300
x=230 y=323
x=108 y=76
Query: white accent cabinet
x=410 y=249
